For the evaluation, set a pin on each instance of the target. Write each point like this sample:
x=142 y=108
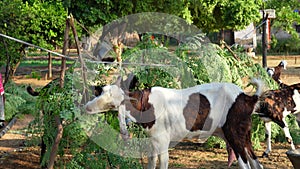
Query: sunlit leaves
x=215 y=15
x=286 y=16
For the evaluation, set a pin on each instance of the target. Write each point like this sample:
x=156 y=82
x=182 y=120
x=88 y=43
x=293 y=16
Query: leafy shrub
x=17 y=100
x=282 y=46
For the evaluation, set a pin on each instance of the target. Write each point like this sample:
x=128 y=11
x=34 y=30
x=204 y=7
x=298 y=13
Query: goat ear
x=126 y=83
x=118 y=82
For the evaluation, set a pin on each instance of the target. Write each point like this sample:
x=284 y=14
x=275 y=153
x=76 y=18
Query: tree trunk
x=56 y=142
x=14 y=69
x=64 y=52
x=222 y=35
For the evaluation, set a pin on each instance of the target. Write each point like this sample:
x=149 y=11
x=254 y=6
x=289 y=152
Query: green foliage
x=207 y=15
x=258 y=131
x=17 y=101
x=32 y=63
x=10 y=24
x=62 y=102
x=44 y=23
x=278 y=134
x=88 y=13
x=38 y=22
x=228 y=68
x=215 y=142
x=284 y=46
x=285 y=15
x=218 y=15
x=56 y=101
x=34 y=74
x=158 y=62
x=94 y=157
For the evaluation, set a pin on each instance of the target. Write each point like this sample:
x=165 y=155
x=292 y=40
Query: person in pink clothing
x=2 y=115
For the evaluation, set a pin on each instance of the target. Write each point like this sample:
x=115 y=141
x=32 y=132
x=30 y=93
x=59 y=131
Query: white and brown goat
x=220 y=109
x=276 y=105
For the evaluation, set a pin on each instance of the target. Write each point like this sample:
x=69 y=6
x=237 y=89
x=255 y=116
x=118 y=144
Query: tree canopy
x=42 y=22
x=286 y=15
x=209 y=15
x=37 y=22
x=97 y=13
x=217 y=15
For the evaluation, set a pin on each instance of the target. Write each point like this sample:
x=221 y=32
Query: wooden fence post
x=49 y=65
x=69 y=23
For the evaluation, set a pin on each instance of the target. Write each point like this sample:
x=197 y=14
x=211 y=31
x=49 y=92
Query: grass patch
x=72 y=52
x=178 y=165
x=28 y=63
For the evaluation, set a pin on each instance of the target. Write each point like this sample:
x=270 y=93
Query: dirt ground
x=15 y=154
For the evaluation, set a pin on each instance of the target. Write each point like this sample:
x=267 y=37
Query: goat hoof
x=265 y=155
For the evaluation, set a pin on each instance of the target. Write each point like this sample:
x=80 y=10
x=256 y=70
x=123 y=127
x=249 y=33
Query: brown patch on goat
x=237 y=128
x=140 y=108
x=196 y=111
x=270 y=101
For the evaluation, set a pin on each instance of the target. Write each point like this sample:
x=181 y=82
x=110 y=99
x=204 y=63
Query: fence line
x=29 y=44
x=64 y=56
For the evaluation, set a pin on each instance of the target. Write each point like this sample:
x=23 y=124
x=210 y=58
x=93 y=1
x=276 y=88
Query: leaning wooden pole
x=64 y=52
x=59 y=134
x=85 y=96
x=230 y=50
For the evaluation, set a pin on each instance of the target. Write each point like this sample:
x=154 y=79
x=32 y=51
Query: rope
x=35 y=46
x=134 y=64
x=252 y=31
x=64 y=56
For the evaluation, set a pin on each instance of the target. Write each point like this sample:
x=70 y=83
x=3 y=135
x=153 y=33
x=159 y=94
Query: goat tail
x=32 y=92
x=259 y=86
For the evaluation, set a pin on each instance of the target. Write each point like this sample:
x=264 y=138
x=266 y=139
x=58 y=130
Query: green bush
x=288 y=46
x=17 y=100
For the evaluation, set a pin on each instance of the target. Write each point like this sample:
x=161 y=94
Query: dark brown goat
x=275 y=72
